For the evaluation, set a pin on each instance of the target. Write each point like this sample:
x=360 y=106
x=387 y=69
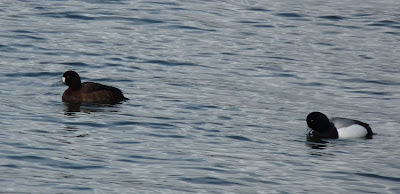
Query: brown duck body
x=89 y=92
x=93 y=92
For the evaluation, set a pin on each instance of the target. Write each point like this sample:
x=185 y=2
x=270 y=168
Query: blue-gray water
x=219 y=95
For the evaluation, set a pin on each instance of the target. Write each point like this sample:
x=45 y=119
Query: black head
x=321 y=126
x=318 y=121
x=72 y=79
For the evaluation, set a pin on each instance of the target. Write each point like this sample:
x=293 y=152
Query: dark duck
x=89 y=92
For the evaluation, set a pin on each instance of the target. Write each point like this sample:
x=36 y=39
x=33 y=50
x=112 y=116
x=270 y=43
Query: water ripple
x=78 y=64
x=332 y=17
x=173 y=63
x=209 y=180
x=290 y=15
x=389 y=178
x=32 y=74
x=236 y=137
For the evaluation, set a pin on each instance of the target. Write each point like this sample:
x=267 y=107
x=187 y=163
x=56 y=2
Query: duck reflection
x=316 y=142
x=71 y=109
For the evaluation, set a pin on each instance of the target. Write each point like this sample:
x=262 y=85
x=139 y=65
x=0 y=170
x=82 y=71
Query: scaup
x=337 y=128
x=89 y=92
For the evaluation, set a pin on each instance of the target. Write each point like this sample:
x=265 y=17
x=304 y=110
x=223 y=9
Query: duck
x=337 y=127
x=89 y=92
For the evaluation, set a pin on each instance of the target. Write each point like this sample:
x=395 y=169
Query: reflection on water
x=71 y=109
x=316 y=142
x=71 y=128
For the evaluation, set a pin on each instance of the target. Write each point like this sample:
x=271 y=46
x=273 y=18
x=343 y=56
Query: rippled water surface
x=219 y=95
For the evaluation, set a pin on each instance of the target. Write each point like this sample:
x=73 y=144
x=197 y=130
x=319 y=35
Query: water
x=219 y=95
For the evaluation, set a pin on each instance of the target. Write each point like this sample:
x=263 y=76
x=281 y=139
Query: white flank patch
x=352 y=131
x=63 y=79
